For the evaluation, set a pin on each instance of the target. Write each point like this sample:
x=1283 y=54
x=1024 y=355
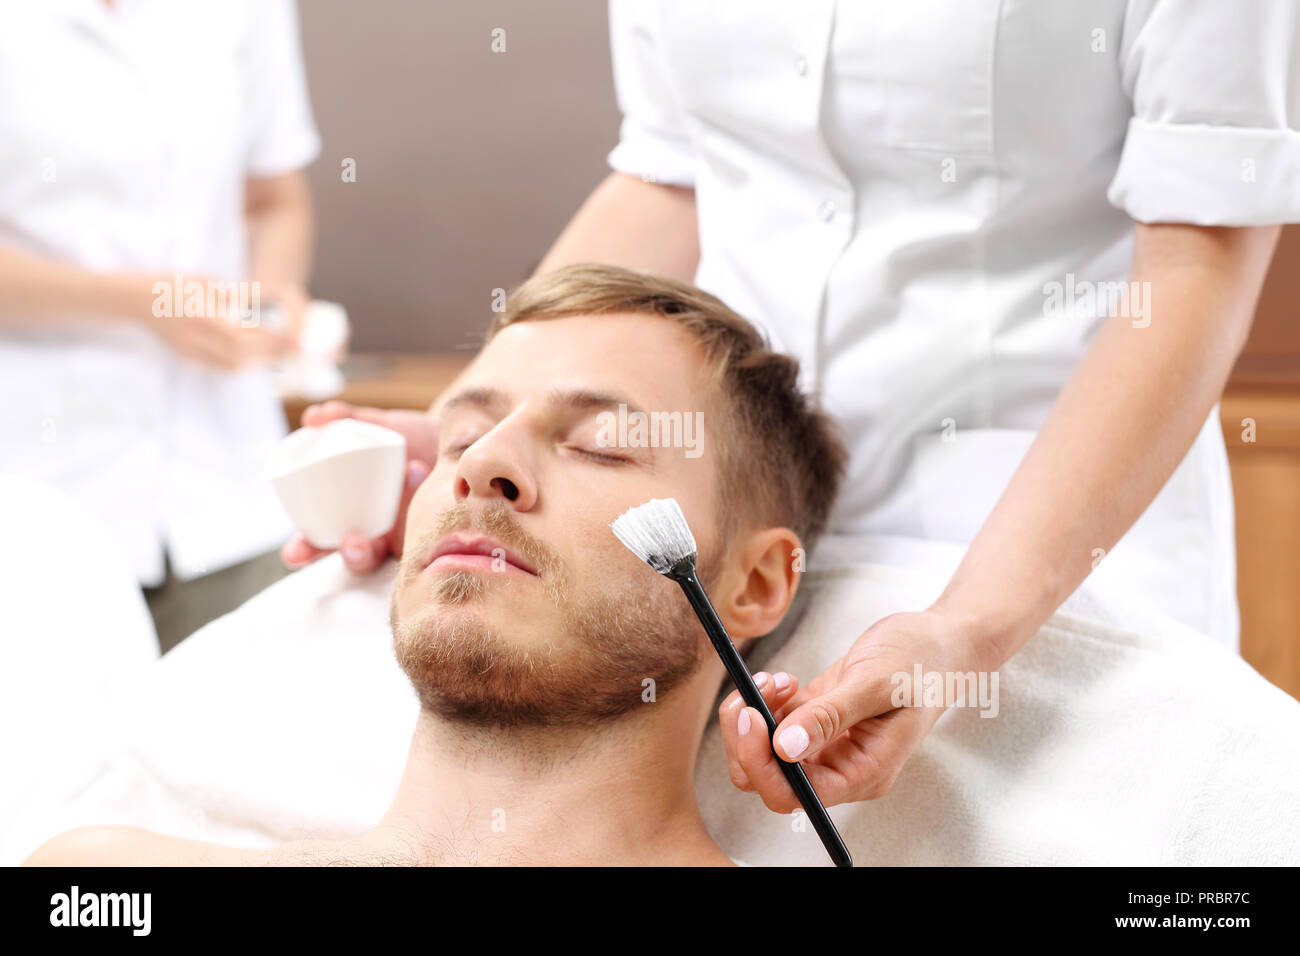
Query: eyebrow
x=487 y=399
x=577 y=399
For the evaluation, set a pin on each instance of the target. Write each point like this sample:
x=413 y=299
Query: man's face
x=515 y=603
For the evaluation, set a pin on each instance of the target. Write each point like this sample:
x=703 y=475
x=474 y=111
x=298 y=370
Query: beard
x=613 y=638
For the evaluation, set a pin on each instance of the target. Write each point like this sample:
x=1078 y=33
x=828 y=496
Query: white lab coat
x=126 y=138
x=890 y=190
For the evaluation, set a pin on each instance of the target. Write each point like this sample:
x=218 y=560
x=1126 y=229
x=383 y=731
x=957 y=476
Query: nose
x=493 y=469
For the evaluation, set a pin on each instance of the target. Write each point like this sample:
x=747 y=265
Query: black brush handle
x=684 y=574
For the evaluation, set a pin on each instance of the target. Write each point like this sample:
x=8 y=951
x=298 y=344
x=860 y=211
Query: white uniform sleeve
x=652 y=140
x=282 y=135
x=1215 y=88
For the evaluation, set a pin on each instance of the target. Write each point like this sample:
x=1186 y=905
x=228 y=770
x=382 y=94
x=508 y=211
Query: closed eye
x=600 y=457
x=455 y=451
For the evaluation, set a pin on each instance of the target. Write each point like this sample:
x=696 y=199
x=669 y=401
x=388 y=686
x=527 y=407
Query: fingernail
x=415 y=474
x=793 y=740
x=782 y=680
x=760 y=680
x=736 y=703
x=742 y=725
x=354 y=555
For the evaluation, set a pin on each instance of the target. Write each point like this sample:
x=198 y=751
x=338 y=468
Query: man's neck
x=621 y=793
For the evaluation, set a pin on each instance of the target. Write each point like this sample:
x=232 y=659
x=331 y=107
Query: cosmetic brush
x=657 y=533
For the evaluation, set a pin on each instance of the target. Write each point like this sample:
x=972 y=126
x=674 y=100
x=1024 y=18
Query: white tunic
x=126 y=137
x=921 y=201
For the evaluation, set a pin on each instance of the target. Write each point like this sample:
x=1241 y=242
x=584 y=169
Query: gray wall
x=469 y=162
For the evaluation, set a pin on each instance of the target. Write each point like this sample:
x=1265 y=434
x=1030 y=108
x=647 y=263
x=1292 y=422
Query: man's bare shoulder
x=131 y=846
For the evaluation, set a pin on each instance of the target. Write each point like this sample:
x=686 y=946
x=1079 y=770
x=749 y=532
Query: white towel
x=290 y=717
x=74 y=629
x=286 y=718
x=1110 y=747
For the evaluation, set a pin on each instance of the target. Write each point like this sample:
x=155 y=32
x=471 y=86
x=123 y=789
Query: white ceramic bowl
x=338 y=478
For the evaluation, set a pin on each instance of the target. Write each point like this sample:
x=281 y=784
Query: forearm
x=35 y=288
x=628 y=222
x=1119 y=428
x=281 y=227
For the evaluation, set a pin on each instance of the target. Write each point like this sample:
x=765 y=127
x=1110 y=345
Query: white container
x=338 y=478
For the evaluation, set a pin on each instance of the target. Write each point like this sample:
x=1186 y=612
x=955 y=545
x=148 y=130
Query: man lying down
x=564 y=687
x=569 y=731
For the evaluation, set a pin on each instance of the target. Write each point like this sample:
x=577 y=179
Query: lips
x=477 y=552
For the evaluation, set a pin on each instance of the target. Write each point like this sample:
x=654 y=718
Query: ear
x=760 y=582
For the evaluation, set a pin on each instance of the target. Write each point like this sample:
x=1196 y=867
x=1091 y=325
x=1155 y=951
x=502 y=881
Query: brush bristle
x=657 y=533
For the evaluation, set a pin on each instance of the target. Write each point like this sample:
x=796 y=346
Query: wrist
x=991 y=633
x=124 y=296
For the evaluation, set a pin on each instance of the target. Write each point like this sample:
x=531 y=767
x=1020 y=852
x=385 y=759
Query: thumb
x=855 y=697
x=315 y=415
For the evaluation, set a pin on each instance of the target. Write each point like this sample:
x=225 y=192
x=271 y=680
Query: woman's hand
x=217 y=336
x=845 y=727
x=216 y=342
x=362 y=555
x=292 y=301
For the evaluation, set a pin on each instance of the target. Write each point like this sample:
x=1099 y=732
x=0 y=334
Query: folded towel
x=289 y=717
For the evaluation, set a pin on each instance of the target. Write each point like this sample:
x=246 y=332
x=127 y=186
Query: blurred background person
x=152 y=197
